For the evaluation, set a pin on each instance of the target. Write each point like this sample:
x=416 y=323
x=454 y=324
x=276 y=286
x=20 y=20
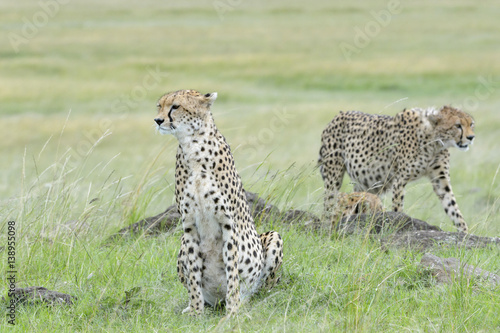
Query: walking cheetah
x=381 y=153
x=221 y=255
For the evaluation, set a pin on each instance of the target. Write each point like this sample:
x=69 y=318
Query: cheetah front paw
x=190 y=312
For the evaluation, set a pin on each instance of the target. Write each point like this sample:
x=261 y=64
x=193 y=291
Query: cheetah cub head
x=453 y=127
x=182 y=113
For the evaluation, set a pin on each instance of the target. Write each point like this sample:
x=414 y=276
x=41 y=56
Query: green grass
x=96 y=70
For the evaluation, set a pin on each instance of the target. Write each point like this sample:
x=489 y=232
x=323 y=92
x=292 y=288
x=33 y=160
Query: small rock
x=261 y=209
x=446 y=270
x=425 y=239
x=162 y=222
x=306 y=219
x=41 y=294
x=382 y=222
x=375 y=223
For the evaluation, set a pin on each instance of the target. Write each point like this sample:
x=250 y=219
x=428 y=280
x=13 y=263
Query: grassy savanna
x=78 y=96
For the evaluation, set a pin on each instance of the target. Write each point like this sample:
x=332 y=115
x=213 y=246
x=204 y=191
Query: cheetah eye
x=459 y=126
x=158 y=106
x=175 y=107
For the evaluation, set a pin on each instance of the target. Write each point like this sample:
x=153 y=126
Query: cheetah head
x=183 y=112
x=453 y=127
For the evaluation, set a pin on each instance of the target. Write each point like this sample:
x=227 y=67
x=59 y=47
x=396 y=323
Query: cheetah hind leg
x=272 y=244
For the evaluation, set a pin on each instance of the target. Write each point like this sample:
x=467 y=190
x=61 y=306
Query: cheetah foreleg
x=190 y=253
x=230 y=257
x=440 y=179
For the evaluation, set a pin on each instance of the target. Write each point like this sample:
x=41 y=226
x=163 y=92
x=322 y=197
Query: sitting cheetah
x=356 y=203
x=381 y=153
x=221 y=255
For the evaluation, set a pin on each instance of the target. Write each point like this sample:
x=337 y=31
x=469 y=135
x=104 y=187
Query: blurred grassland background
x=89 y=70
x=93 y=71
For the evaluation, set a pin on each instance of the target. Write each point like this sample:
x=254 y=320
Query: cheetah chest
x=198 y=202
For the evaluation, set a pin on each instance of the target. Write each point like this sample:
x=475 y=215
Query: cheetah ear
x=209 y=98
x=435 y=117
